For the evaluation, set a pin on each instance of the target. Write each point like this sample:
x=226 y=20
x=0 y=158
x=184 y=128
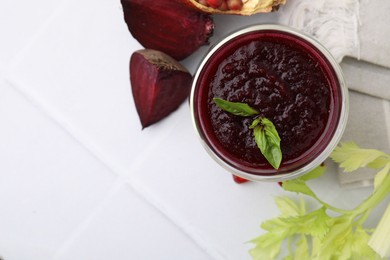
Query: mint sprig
x=265 y=133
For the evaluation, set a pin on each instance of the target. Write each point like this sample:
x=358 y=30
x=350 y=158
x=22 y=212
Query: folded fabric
x=349 y=28
x=334 y=23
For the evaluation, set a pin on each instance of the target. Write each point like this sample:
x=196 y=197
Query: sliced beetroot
x=159 y=85
x=168 y=26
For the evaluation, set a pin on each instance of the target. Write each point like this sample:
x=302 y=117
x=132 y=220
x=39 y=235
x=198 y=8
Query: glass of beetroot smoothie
x=290 y=79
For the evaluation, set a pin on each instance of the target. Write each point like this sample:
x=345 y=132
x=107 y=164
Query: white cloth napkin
x=349 y=28
x=334 y=23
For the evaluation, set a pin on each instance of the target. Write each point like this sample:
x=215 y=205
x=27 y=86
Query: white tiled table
x=79 y=179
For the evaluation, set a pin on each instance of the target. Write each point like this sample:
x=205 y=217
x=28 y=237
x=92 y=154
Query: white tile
x=79 y=66
x=19 y=22
x=128 y=228
x=48 y=182
x=207 y=203
x=2 y=69
x=86 y=50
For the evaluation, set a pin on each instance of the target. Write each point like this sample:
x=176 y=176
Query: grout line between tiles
x=150 y=200
x=186 y=228
x=86 y=222
x=122 y=174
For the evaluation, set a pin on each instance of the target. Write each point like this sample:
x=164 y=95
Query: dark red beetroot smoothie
x=287 y=80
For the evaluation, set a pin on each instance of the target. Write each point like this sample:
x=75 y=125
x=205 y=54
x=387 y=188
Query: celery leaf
x=302 y=249
x=288 y=207
x=314 y=174
x=298 y=186
x=318 y=235
x=351 y=157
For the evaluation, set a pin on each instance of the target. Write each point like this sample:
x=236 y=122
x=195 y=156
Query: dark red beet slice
x=168 y=26
x=159 y=85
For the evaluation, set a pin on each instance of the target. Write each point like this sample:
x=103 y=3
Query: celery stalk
x=379 y=194
x=380 y=239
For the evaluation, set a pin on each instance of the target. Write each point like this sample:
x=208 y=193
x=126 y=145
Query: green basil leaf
x=260 y=138
x=266 y=136
x=255 y=123
x=272 y=134
x=235 y=108
x=268 y=141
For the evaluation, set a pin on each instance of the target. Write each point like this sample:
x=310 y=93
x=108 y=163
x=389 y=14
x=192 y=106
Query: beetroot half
x=159 y=85
x=168 y=26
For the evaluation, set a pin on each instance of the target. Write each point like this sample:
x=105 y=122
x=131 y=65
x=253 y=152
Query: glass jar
x=291 y=79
